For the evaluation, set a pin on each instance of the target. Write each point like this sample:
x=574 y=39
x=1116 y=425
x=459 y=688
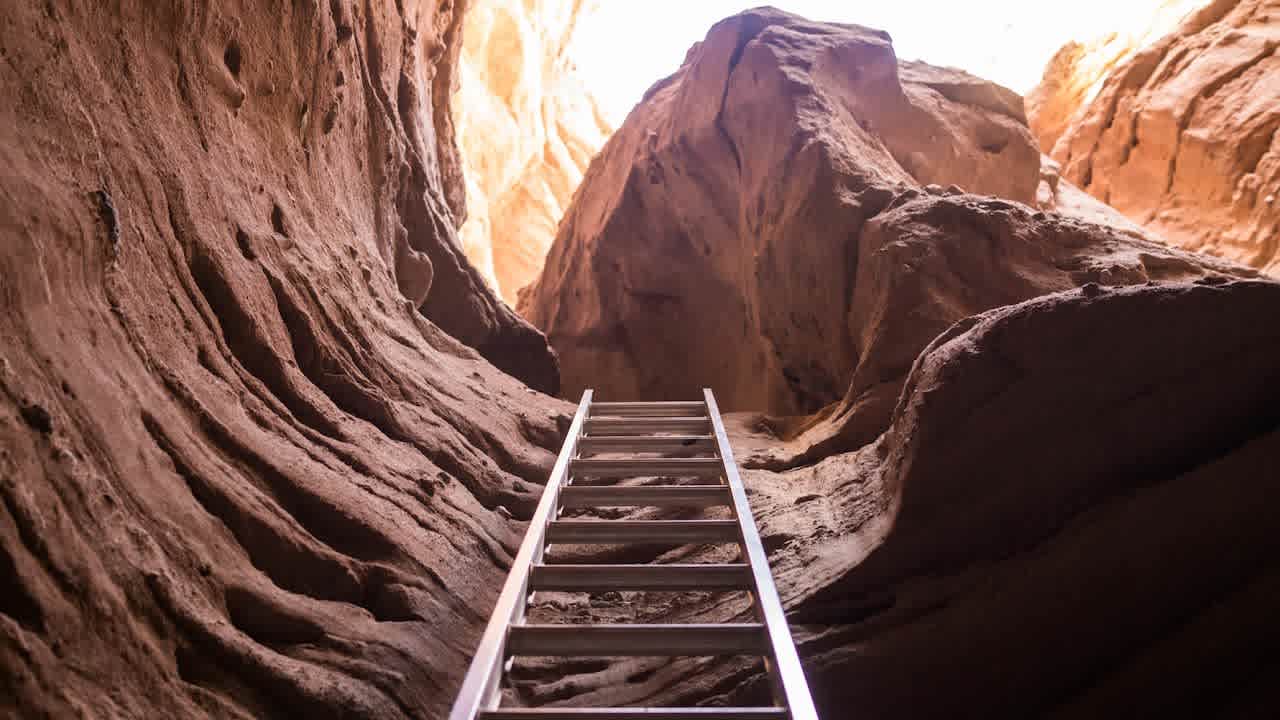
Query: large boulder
x=788 y=212
x=1182 y=136
x=252 y=461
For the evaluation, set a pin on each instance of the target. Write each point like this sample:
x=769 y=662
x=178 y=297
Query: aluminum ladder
x=696 y=432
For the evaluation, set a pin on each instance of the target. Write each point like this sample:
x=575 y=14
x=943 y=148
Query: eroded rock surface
x=782 y=215
x=1061 y=508
x=1037 y=518
x=245 y=472
x=527 y=128
x=243 y=475
x=1076 y=72
x=1008 y=393
x=1182 y=136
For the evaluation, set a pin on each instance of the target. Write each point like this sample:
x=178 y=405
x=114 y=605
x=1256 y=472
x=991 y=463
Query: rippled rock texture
x=251 y=453
x=266 y=436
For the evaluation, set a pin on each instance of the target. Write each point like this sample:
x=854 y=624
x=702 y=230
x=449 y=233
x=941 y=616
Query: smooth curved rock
x=1064 y=508
x=527 y=128
x=1182 y=137
x=932 y=261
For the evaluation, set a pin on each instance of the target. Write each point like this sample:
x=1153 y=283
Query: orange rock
x=527 y=127
x=1182 y=137
x=1076 y=72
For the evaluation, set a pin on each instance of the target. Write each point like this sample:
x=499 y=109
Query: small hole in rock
x=995 y=147
x=246 y=247
x=277 y=220
x=232 y=57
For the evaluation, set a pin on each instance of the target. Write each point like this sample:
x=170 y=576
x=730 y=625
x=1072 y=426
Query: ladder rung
x=646 y=467
x=646 y=443
x=642 y=531
x=693 y=576
x=580 y=496
x=647 y=409
x=637 y=640
x=638 y=713
x=641 y=425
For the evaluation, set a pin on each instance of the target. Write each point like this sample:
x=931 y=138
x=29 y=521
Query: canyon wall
x=1076 y=72
x=527 y=127
x=1182 y=137
x=253 y=460
x=267 y=437
x=783 y=220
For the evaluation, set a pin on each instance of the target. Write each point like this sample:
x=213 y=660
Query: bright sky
x=630 y=44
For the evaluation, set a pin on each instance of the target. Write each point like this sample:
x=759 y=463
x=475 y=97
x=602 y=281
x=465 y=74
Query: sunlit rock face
x=793 y=214
x=1182 y=137
x=527 y=127
x=1076 y=72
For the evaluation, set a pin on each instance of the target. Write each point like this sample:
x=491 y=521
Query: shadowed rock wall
x=251 y=453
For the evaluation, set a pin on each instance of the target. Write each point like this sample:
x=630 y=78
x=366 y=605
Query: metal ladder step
x=642 y=425
x=693 y=438
x=582 y=496
x=647 y=443
x=646 y=467
x=637 y=640
x=679 y=532
x=648 y=409
x=625 y=713
x=690 y=576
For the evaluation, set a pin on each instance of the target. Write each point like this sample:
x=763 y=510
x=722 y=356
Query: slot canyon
x=297 y=300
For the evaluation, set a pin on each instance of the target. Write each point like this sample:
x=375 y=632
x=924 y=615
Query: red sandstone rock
x=1063 y=509
x=772 y=221
x=1045 y=486
x=1064 y=519
x=1182 y=137
x=242 y=475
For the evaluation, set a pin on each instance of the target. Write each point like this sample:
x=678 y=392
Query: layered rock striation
x=266 y=437
x=1182 y=136
x=253 y=461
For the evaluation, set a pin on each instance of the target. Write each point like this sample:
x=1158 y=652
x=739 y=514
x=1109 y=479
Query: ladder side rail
x=480 y=687
x=795 y=687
